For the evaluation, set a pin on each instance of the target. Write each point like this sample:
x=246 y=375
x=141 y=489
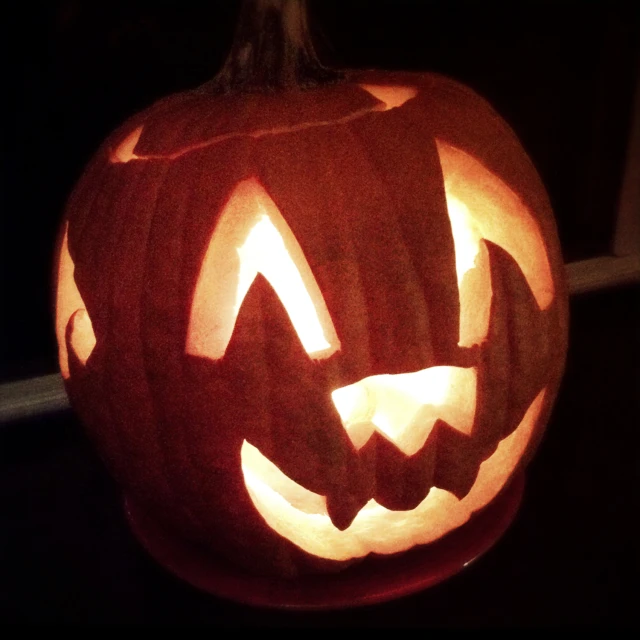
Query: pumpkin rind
x=363 y=193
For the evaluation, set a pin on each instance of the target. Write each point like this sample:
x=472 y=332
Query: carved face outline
x=461 y=181
x=252 y=237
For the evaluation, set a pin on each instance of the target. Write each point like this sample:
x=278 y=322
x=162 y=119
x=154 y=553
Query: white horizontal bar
x=601 y=273
x=46 y=394
x=32 y=397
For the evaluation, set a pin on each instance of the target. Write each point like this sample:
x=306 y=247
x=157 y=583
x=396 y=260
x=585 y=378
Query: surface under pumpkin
x=308 y=326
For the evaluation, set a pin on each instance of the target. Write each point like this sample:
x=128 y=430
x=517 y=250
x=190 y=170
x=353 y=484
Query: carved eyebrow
x=482 y=207
x=252 y=237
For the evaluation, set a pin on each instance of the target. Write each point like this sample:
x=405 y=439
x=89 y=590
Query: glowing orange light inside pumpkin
x=301 y=515
x=391 y=95
x=70 y=307
x=481 y=206
x=474 y=277
x=124 y=151
x=264 y=252
x=405 y=406
x=83 y=339
x=252 y=237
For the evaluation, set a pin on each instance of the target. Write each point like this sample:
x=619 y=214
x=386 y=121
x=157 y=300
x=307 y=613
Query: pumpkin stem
x=272 y=49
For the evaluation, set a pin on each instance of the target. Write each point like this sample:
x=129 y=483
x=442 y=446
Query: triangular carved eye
x=252 y=237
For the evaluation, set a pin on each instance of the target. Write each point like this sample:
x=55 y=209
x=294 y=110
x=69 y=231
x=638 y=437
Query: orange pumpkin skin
x=361 y=187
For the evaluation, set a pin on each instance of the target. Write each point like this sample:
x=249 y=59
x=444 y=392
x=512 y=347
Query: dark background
x=561 y=73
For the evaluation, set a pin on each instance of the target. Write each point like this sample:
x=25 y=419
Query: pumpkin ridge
x=79 y=385
x=144 y=355
x=113 y=365
x=180 y=267
x=82 y=200
x=500 y=324
x=513 y=282
x=400 y=270
x=409 y=168
x=172 y=431
x=394 y=223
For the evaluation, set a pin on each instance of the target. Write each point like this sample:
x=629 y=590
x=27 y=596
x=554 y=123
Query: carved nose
x=404 y=407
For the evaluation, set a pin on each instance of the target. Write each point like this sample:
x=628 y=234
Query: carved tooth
x=404 y=407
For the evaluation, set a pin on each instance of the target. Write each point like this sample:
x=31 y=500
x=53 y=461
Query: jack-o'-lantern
x=312 y=325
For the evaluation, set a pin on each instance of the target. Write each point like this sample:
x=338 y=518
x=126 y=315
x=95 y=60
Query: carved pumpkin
x=308 y=326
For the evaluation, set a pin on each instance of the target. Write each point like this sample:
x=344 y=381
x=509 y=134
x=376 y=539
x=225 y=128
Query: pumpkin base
x=376 y=579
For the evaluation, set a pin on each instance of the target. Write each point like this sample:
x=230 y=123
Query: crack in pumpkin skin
x=388 y=98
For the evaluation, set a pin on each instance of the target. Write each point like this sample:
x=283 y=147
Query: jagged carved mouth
x=301 y=516
x=403 y=408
